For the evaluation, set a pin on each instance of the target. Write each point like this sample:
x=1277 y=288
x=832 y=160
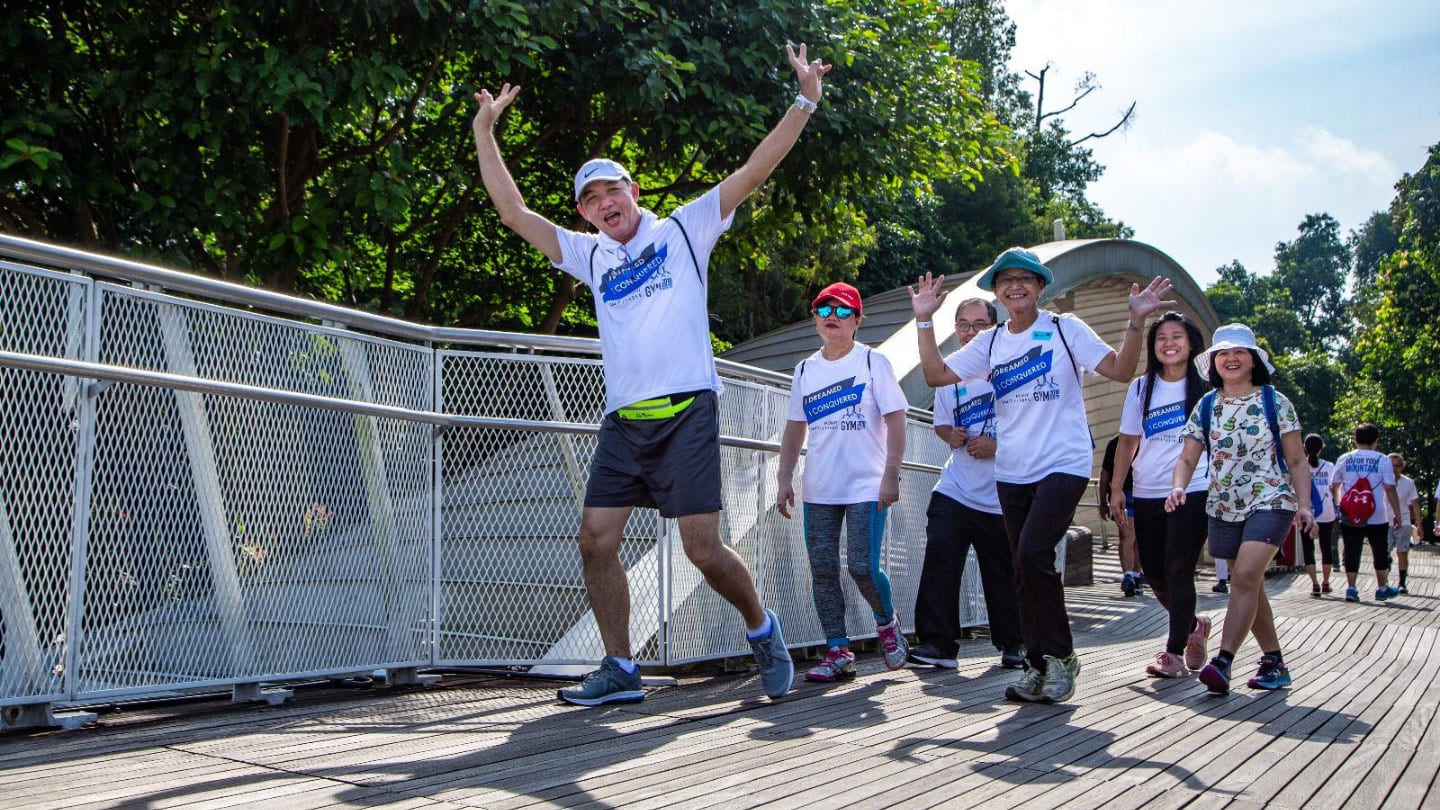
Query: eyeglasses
x=1016 y=278
x=824 y=310
x=978 y=326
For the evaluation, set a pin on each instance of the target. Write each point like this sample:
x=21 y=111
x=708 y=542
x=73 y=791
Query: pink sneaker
x=1195 y=656
x=1167 y=665
x=839 y=665
x=893 y=641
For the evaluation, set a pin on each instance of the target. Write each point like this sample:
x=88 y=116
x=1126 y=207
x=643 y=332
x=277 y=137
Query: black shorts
x=668 y=464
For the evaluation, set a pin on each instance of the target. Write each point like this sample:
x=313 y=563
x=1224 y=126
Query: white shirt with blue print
x=966 y=479
x=842 y=403
x=1039 y=402
x=1161 y=440
x=650 y=301
x=1373 y=466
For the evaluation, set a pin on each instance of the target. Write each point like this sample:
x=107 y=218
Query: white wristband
x=924 y=324
x=805 y=104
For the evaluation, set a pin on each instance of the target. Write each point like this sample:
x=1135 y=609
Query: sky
x=1249 y=115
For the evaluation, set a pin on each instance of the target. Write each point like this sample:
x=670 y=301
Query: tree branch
x=1124 y=120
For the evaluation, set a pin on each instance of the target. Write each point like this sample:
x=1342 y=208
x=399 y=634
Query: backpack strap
x=1055 y=319
x=593 y=248
x=1207 y=411
x=689 y=247
x=1272 y=415
x=990 y=354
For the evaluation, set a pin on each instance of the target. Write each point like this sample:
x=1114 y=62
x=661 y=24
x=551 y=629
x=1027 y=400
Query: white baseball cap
x=599 y=169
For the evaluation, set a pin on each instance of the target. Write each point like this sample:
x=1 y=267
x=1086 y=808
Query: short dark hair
x=1259 y=373
x=1314 y=443
x=989 y=308
x=1366 y=433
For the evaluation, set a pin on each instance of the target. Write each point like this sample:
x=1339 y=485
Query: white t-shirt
x=842 y=403
x=966 y=479
x=1160 y=438
x=1039 y=402
x=1406 y=493
x=1320 y=479
x=650 y=300
x=1373 y=466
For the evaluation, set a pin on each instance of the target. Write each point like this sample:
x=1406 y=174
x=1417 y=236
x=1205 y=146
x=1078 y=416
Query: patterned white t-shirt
x=842 y=403
x=650 y=300
x=1245 y=472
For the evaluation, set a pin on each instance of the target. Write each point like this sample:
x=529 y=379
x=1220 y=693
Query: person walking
x=1152 y=423
x=1365 y=519
x=1132 y=581
x=846 y=398
x=1257 y=465
x=1044 y=445
x=964 y=513
x=659 y=443
x=1409 y=529
x=1321 y=472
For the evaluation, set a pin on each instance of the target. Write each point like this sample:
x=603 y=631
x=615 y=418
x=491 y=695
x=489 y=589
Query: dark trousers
x=951 y=530
x=1355 y=537
x=1327 y=545
x=1036 y=518
x=1170 y=544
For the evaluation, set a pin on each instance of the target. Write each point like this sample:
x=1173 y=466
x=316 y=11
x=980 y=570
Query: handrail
x=161 y=379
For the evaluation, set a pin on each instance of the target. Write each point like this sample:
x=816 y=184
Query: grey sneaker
x=1028 y=687
x=777 y=668
x=1060 y=678
x=893 y=642
x=608 y=684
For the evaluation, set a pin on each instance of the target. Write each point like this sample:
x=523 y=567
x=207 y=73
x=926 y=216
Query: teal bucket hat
x=1012 y=259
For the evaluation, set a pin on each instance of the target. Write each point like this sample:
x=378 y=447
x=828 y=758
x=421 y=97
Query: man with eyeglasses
x=964 y=512
x=659 y=442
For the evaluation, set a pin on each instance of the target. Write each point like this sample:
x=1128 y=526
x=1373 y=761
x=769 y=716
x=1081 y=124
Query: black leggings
x=1377 y=535
x=1327 y=545
x=1170 y=544
x=1036 y=518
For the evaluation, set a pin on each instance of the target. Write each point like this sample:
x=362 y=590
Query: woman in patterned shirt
x=1257 y=464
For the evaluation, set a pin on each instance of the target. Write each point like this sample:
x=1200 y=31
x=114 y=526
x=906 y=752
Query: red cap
x=842 y=292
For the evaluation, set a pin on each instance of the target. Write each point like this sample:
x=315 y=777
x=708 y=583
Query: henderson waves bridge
x=207 y=488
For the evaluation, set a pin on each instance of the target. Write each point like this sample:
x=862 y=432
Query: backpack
x=1317 y=503
x=1358 y=503
x=1272 y=415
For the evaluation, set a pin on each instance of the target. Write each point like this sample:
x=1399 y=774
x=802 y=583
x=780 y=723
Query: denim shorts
x=1267 y=526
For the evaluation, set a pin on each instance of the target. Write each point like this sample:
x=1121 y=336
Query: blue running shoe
x=1391 y=591
x=608 y=684
x=1381 y=594
x=777 y=668
x=1272 y=675
x=1352 y=594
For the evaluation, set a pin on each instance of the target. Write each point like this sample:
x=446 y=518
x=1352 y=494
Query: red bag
x=1358 y=503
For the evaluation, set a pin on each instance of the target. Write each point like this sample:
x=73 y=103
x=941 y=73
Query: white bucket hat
x=1231 y=336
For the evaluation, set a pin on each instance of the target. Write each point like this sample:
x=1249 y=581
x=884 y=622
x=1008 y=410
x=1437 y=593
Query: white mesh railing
x=199 y=495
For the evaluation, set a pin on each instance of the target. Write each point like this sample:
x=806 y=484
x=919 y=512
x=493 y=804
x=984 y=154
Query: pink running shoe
x=1167 y=665
x=1195 y=657
x=893 y=641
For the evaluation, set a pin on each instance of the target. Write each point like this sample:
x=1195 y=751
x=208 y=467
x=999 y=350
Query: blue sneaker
x=1352 y=594
x=608 y=684
x=1272 y=675
x=777 y=668
x=1391 y=591
x=1381 y=594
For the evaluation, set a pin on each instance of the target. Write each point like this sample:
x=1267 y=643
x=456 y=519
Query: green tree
x=1312 y=271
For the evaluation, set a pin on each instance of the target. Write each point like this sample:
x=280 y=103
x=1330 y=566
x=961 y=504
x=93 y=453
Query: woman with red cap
x=846 y=398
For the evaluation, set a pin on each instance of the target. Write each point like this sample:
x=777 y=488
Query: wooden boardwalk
x=1357 y=730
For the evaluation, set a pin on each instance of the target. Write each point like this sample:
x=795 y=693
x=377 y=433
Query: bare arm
x=1394 y=501
x=790 y=442
x=925 y=299
x=1120 y=366
x=1124 y=456
x=533 y=228
x=1184 y=469
x=776 y=145
x=1294 y=449
x=953 y=436
x=894 y=455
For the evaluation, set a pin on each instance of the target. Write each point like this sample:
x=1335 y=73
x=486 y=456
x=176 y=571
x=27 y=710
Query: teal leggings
x=864 y=531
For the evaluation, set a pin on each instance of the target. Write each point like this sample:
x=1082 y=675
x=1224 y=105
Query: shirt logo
x=635 y=275
x=835 y=397
x=976 y=411
x=1040 y=334
x=1164 y=419
x=1030 y=366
